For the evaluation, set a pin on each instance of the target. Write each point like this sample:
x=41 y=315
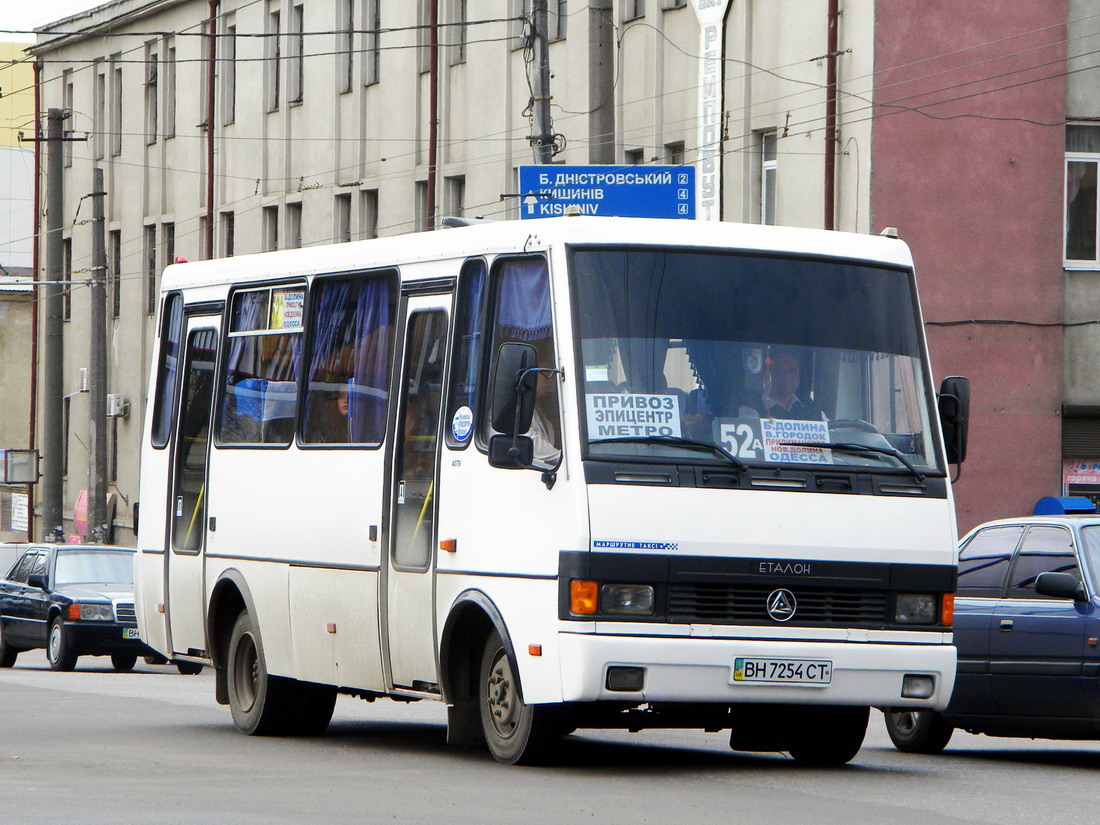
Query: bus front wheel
x=827 y=737
x=517 y=733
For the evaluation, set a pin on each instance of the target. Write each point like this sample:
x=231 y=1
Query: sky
x=28 y=14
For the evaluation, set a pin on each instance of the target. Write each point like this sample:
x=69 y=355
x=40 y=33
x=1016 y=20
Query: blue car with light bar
x=73 y=600
x=1027 y=628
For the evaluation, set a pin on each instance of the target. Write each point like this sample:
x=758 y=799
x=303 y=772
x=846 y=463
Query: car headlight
x=626 y=599
x=916 y=608
x=91 y=612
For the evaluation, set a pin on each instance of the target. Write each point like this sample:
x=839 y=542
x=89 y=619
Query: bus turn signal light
x=947 y=615
x=583 y=597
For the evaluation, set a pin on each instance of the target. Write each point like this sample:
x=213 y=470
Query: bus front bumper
x=714 y=670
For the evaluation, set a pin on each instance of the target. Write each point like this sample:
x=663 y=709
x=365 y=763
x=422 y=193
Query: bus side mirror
x=514 y=382
x=954 y=406
x=511 y=452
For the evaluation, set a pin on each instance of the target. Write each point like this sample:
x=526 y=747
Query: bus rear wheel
x=828 y=737
x=516 y=733
x=266 y=705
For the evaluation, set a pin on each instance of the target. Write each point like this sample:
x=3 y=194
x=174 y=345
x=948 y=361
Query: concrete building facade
x=950 y=124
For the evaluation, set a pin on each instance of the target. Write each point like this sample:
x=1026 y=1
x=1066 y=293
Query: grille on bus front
x=125 y=613
x=733 y=603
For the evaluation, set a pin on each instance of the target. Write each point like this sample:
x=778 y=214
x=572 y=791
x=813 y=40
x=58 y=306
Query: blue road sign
x=622 y=191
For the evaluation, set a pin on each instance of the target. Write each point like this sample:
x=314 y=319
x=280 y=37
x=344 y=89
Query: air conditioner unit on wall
x=117 y=406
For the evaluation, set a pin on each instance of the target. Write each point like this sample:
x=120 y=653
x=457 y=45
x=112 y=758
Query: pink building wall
x=973 y=180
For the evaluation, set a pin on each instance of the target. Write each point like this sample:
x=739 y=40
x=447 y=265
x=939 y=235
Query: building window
x=675 y=4
x=67 y=275
x=150 y=95
x=634 y=157
x=768 y=154
x=67 y=103
x=168 y=234
x=227 y=219
x=296 y=44
x=344 y=49
x=520 y=12
x=423 y=220
x=423 y=35
x=114 y=250
x=1082 y=164
x=169 y=90
x=99 y=108
x=229 y=73
x=293 y=225
x=116 y=105
x=66 y=415
x=272 y=58
x=368 y=214
x=674 y=153
x=112 y=459
x=149 y=252
x=633 y=9
x=557 y=17
x=270 y=228
x=372 y=22
x=341 y=218
x=454 y=192
x=458 y=19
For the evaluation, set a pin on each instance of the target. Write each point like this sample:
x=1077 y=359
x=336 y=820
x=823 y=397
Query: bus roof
x=496 y=237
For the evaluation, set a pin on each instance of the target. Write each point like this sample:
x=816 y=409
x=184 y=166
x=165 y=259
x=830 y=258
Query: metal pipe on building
x=433 y=111
x=53 y=363
x=830 y=116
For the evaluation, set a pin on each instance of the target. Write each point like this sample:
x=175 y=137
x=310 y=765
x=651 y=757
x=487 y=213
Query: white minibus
x=567 y=473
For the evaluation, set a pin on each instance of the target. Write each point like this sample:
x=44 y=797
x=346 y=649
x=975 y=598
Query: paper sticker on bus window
x=632 y=415
x=739 y=436
x=778 y=435
x=462 y=424
x=287 y=308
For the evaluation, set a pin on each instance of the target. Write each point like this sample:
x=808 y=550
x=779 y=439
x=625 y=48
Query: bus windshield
x=776 y=360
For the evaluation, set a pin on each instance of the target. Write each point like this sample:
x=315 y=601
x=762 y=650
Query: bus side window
x=170 y=335
x=350 y=346
x=521 y=312
x=262 y=368
x=469 y=336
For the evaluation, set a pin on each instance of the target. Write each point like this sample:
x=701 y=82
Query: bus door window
x=171 y=334
x=522 y=313
x=189 y=502
x=463 y=400
x=262 y=368
x=350 y=343
x=422 y=385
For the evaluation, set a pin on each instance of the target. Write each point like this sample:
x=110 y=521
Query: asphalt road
x=152 y=747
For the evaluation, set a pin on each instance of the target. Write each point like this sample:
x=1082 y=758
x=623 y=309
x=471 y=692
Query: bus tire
x=59 y=650
x=123 y=662
x=828 y=737
x=315 y=704
x=917 y=731
x=261 y=704
x=516 y=733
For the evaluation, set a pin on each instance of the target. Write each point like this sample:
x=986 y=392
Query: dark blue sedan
x=73 y=600
x=1027 y=628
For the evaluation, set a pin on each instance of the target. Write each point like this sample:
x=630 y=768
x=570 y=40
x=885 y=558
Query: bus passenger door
x=410 y=567
x=188 y=494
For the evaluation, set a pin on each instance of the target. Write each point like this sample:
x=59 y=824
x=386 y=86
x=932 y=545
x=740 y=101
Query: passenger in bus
x=543 y=429
x=778 y=396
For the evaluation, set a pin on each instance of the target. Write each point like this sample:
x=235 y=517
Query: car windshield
x=1091 y=540
x=764 y=356
x=84 y=566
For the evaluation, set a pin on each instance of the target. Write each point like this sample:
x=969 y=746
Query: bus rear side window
x=165 y=403
x=261 y=379
x=348 y=367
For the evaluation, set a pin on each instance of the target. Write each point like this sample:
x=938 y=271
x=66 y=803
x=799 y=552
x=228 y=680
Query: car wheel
x=7 y=652
x=59 y=650
x=123 y=662
x=918 y=731
x=189 y=668
x=516 y=733
x=262 y=705
x=828 y=737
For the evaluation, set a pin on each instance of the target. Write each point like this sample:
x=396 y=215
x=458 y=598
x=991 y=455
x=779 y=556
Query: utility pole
x=53 y=460
x=543 y=137
x=97 y=374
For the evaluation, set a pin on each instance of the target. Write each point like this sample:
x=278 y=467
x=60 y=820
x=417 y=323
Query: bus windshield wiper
x=852 y=447
x=675 y=441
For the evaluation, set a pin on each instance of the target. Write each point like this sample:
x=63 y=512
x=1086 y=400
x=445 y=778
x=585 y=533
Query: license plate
x=130 y=633
x=783 y=671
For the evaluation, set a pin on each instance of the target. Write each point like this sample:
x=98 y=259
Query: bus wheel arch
x=229 y=598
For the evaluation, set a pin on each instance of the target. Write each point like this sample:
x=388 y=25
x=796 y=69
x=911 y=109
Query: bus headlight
x=916 y=608
x=626 y=600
